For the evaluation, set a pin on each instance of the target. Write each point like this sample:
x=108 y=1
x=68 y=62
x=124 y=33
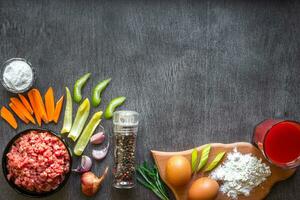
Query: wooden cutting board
x=258 y=193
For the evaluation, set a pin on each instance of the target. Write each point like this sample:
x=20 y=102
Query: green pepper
x=87 y=133
x=80 y=119
x=98 y=89
x=113 y=104
x=204 y=157
x=67 y=124
x=215 y=162
x=78 y=87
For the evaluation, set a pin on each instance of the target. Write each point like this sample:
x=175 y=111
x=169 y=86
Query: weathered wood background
x=197 y=71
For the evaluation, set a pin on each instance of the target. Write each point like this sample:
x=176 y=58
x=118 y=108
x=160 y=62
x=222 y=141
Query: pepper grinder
x=125 y=127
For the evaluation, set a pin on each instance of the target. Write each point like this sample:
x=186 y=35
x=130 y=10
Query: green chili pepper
x=194 y=159
x=215 y=162
x=80 y=119
x=67 y=124
x=78 y=86
x=113 y=104
x=204 y=157
x=87 y=133
x=98 y=89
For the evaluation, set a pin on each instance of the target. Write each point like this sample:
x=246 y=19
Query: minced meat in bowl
x=37 y=162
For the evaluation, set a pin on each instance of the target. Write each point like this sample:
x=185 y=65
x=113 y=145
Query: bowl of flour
x=17 y=75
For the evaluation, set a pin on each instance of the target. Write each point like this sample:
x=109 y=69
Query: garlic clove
x=85 y=165
x=100 y=154
x=98 y=138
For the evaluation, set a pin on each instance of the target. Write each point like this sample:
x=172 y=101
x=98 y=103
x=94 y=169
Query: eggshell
x=178 y=171
x=203 y=189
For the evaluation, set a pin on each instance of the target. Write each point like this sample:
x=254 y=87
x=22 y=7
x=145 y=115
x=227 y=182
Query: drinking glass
x=279 y=141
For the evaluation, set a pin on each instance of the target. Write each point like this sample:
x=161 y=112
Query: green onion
x=215 y=162
x=149 y=177
x=204 y=157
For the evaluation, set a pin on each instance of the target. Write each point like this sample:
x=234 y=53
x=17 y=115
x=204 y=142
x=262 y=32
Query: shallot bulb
x=85 y=165
x=90 y=183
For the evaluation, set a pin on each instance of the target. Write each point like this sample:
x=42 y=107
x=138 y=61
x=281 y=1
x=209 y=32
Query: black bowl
x=22 y=190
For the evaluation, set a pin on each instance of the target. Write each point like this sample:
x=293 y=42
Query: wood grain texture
x=197 y=71
x=258 y=193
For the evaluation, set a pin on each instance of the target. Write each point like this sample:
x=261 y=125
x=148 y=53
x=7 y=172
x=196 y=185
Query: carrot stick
x=33 y=105
x=8 y=116
x=49 y=103
x=26 y=103
x=18 y=113
x=40 y=105
x=58 y=109
x=22 y=109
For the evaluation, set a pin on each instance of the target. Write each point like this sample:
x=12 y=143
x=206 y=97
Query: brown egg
x=203 y=189
x=178 y=171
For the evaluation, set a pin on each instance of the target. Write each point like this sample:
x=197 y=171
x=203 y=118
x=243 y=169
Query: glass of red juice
x=279 y=141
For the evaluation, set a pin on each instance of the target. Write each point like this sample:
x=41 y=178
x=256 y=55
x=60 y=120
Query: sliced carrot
x=49 y=103
x=58 y=109
x=26 y=103
x=34 y=107
x=22 y=109
x=40 y=105
x=18 y=113
x=9 y=117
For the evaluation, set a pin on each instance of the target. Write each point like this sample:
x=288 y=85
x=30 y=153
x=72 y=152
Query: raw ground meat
x=38 y=161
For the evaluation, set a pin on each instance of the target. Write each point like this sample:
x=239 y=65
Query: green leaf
x=204 y=157
x=215 y=162
x=194 y=159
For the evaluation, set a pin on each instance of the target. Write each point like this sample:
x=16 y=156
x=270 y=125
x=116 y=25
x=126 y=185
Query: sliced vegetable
x=57 y=110
x=150 y=179
x=113 y=104
x=78 y=87
x=18 y=113
x=85 y=165
x=204 y=157
x=194 y=160
x=67 y=125
x=87 y=133
x=34 y=107
x=98 y=138
x=22 y=109
x=98 y=89
x=215 y=162
x=26 y=103
x=49 y=103
x=80 y=119
x=8 y=116
x=100 y=154
x=40 y=105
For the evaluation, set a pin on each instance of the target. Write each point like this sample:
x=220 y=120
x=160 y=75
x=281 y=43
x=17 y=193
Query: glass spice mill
x=125 y=127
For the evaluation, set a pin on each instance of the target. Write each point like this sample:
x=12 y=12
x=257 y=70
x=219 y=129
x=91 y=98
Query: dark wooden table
x=197 y=71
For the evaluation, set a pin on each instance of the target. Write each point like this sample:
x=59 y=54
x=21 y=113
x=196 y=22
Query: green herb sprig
x=148 y=176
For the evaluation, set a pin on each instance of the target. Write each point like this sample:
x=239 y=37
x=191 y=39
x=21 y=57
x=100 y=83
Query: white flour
x=18 y=75
x=240 y=173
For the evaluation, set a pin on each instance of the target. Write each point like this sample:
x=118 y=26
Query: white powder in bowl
x=240 y=173
x=18 y=75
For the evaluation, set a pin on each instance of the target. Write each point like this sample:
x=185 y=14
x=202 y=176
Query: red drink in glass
x=279 y=140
